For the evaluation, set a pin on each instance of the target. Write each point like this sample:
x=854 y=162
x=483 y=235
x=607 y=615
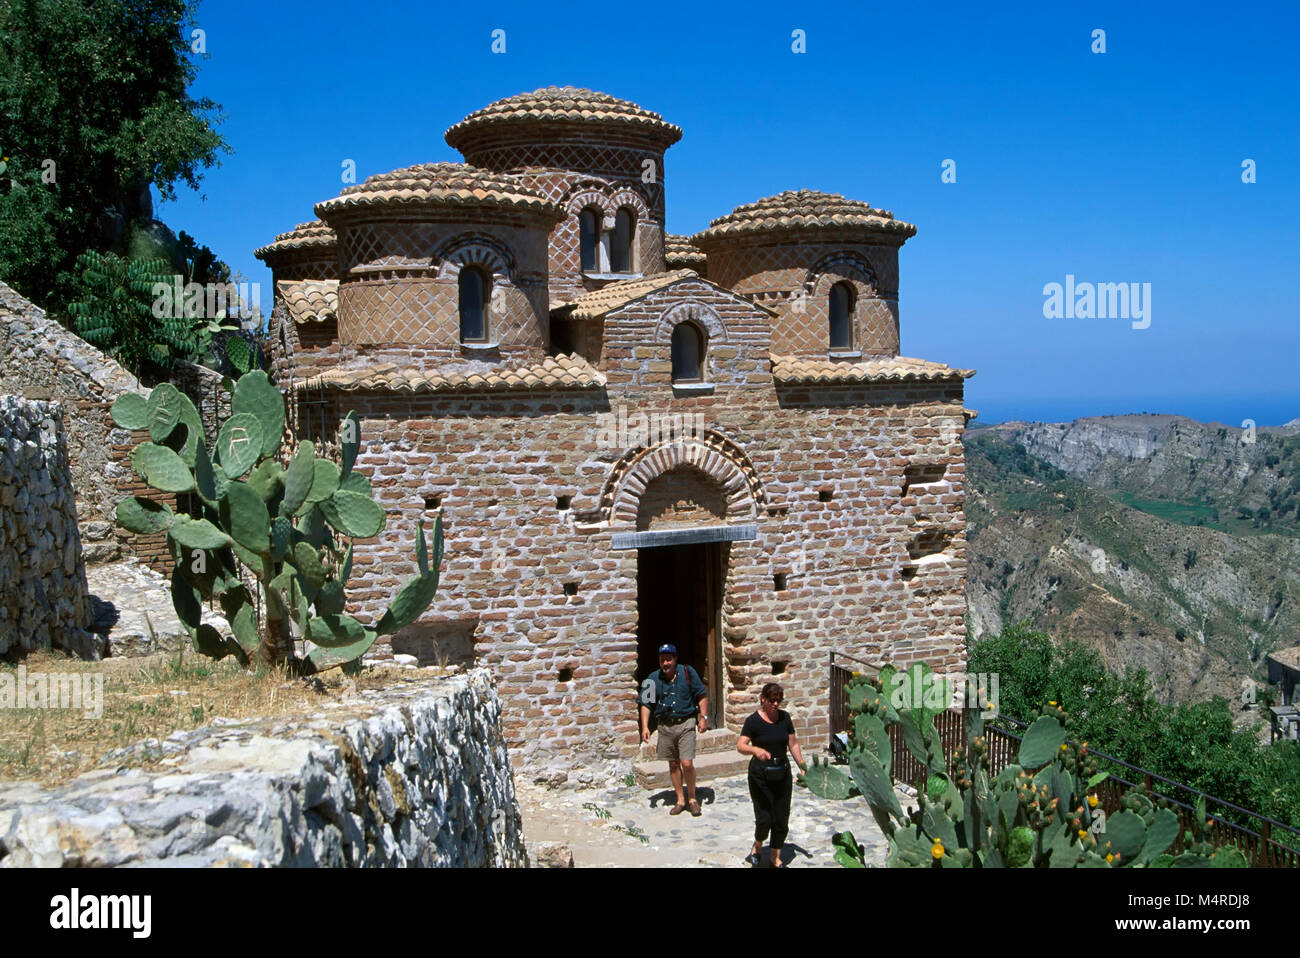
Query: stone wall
x=408 y=776
x=39 y=359
x=44 y=600
x=871 y=558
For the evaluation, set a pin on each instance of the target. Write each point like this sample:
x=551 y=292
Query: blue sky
x=1123 y=166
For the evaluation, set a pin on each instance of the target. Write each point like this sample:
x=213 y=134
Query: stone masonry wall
x=44 y=600
x=873 y=564
x=39 y=359
x=413 y=775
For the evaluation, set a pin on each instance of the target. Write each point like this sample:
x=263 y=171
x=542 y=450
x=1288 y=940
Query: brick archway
x=710 y=453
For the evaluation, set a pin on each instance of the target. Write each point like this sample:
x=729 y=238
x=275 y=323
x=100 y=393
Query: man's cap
x=667 y=650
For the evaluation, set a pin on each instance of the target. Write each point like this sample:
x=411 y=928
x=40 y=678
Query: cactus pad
x=239 y=444
x=161 y=468
x=144 y=516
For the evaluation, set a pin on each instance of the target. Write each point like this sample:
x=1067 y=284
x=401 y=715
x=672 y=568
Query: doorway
x=679 y=601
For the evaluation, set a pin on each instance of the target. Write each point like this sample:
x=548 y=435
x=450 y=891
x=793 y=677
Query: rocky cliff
x=1155 y=586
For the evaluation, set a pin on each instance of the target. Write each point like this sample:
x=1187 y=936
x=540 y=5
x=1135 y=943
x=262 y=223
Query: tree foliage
x=93 y=94
x=1196 y=744
x=115 y=311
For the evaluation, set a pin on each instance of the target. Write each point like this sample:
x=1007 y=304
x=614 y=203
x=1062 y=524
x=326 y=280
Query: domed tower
x=827 y=265
x=304 y=265
x=600 y=159
x=308 y=251
x=444 y=261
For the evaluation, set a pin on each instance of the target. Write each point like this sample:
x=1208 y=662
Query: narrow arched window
x=473 y=289
x=688 y=353
x=589 y=239
x=841 y=315
x=620 y=244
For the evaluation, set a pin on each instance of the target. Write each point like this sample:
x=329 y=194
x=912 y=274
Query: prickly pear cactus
x=1040 y=813
x=248 y=504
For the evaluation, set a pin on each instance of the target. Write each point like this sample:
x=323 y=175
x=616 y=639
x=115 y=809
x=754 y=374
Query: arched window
x=620 y=243
x=688 y=353
x=589 y=239
x=473 y=289
x=841 y=308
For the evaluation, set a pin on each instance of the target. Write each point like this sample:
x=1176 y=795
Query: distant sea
x=1264 y=410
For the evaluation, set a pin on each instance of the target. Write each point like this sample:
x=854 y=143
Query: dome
x=441 y=185
x=681 y=253
x=566 y=104
x=802 y=211
x=305 y=236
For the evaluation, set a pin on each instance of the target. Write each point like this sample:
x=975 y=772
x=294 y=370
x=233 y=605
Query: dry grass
x=150 y=698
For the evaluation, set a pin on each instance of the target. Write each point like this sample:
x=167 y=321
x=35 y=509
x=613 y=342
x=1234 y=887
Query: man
x=681 y=704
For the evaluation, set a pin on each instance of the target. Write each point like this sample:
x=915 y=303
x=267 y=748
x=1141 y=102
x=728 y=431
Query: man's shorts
x=677 y=742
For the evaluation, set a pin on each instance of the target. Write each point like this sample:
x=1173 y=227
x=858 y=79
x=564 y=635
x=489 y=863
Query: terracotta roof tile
x=681 y=253
x=794 y=369
x=554 y=372
x=562 y=103
x=313 y=235
x=441 y=184
x=797 y=210
x=598 y=302
x=310 y=300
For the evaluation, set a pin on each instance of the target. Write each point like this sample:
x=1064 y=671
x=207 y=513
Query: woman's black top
x=772 y=736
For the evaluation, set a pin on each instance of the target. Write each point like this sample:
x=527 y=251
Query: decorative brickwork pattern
x=846 y=469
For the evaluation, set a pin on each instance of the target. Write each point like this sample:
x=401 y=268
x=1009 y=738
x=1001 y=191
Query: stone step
x=714 y=765
x=714 y=740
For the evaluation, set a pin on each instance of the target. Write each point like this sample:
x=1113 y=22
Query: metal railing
x=1261 y=846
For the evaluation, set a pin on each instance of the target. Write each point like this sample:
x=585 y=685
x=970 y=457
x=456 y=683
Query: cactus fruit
x=1026 y=816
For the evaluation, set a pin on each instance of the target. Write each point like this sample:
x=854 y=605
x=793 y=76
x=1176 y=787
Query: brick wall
x=793 y=276
x=828 y=468
x=400 y=279
x=580 y=166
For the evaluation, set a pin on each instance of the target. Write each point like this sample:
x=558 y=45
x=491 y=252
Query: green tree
x=1195 y=744
x=116 y=311
x=93 y=110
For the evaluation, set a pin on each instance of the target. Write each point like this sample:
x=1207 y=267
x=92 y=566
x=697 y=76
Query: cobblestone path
x=721 y=837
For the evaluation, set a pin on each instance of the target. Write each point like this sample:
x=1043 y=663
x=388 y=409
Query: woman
x=766 y=736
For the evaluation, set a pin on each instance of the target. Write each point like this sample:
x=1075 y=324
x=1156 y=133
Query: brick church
x=633 y=436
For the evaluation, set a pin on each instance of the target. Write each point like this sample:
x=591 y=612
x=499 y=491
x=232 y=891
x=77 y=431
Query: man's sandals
x=694 y=806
